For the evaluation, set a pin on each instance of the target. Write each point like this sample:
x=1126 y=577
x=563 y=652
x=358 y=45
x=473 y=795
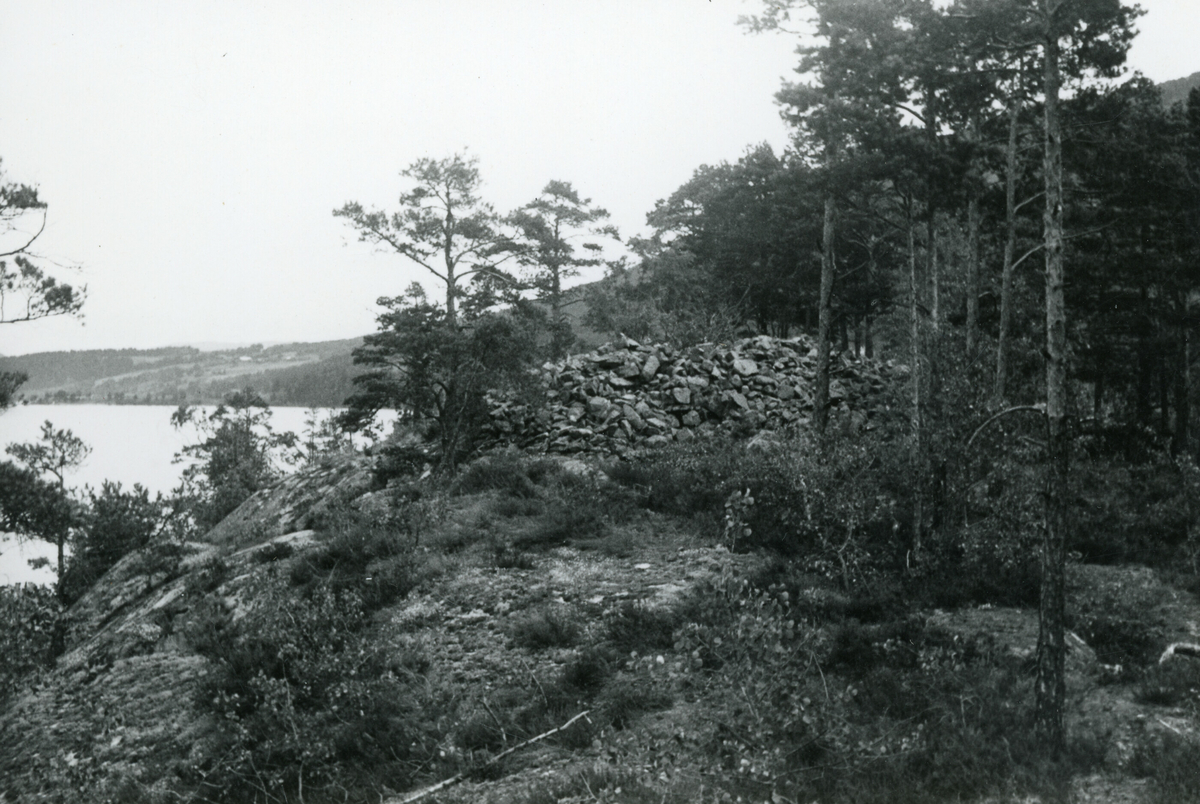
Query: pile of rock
x=628 y=395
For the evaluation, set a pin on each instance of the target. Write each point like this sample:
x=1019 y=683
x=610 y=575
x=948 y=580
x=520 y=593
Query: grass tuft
x=549 y=627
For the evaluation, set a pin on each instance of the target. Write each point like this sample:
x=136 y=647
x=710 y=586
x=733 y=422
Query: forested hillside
x=304 y=374
x=1176 y=91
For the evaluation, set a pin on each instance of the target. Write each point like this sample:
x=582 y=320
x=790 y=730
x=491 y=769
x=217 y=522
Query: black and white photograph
x=600 y=402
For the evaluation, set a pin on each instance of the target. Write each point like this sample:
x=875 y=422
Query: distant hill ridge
x=1176 y=91
x=305 y=374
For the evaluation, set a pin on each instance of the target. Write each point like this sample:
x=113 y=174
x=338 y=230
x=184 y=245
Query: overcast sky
x=192 y=153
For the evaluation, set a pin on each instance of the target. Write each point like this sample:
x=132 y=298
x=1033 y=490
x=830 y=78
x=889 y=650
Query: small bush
x=275 y=551
x=625 y=699
x=681 y=479
x=508 y=557
x=638 y=627
x=388 y=580
x=402 y=458
x=859 y=649
x=1170 y=762
x=1173 y=683
x=587 y=671
x=376 y=559
x=481 y=732
x=544 y=471
x=551 y=627
x=31 y=633
x=1120 y=640
x=213 y=572
x=982 y=564
x=114 y=523
x=505 y=472
x=306 y=698
x=510 y=507
x=209 y=627
x=831 y=499
x=564 y=523
x=1133 y=511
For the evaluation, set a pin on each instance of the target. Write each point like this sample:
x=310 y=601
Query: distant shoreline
x=156 y=404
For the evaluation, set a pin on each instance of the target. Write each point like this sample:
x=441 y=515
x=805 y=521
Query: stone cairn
x=627 y=396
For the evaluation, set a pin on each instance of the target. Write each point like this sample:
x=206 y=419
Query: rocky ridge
x=628 y=395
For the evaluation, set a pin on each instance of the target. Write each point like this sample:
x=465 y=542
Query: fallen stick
x=453 y=780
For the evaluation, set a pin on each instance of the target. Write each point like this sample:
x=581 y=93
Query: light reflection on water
x=130 y=444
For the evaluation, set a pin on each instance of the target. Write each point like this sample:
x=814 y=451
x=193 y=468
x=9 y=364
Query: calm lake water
x=130 y=444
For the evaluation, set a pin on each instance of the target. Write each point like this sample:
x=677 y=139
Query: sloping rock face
x=129 y=611
x=628 y=396
x=295 y=503
x=119 y=702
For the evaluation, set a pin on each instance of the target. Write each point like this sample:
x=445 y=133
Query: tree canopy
x=28 y=291
x=442 y=225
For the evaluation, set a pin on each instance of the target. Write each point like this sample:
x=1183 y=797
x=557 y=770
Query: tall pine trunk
x=1010 y=244
x=451 y=279
x=1183 y=392
x=935 y=279
x=824 y=315
x=916 y=453
x=1050 y=684
x=931 y=211
x=973 y=222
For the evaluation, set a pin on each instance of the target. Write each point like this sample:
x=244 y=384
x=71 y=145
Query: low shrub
x=625 y=698
x=508 y=557
x=306 y=700
x=985 y=563
x=587 y=671
x=683 y=479
x=1119 y=639
x=968 y=740
x=1173 y=683
x=831 y=498
x=505 y=472
x=480 y=732
x=858 y=649
x=641 y=628
x=1134 y=511
x=374 y=558
x=544 y=471
x=564 y=523
x=114 y=523
x=549 y=627
x=1170 y=762
x=402 y=458
x=510 y=507
x=31 y=633
x=275 y=551
x=894 y=710
x=211 y=573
